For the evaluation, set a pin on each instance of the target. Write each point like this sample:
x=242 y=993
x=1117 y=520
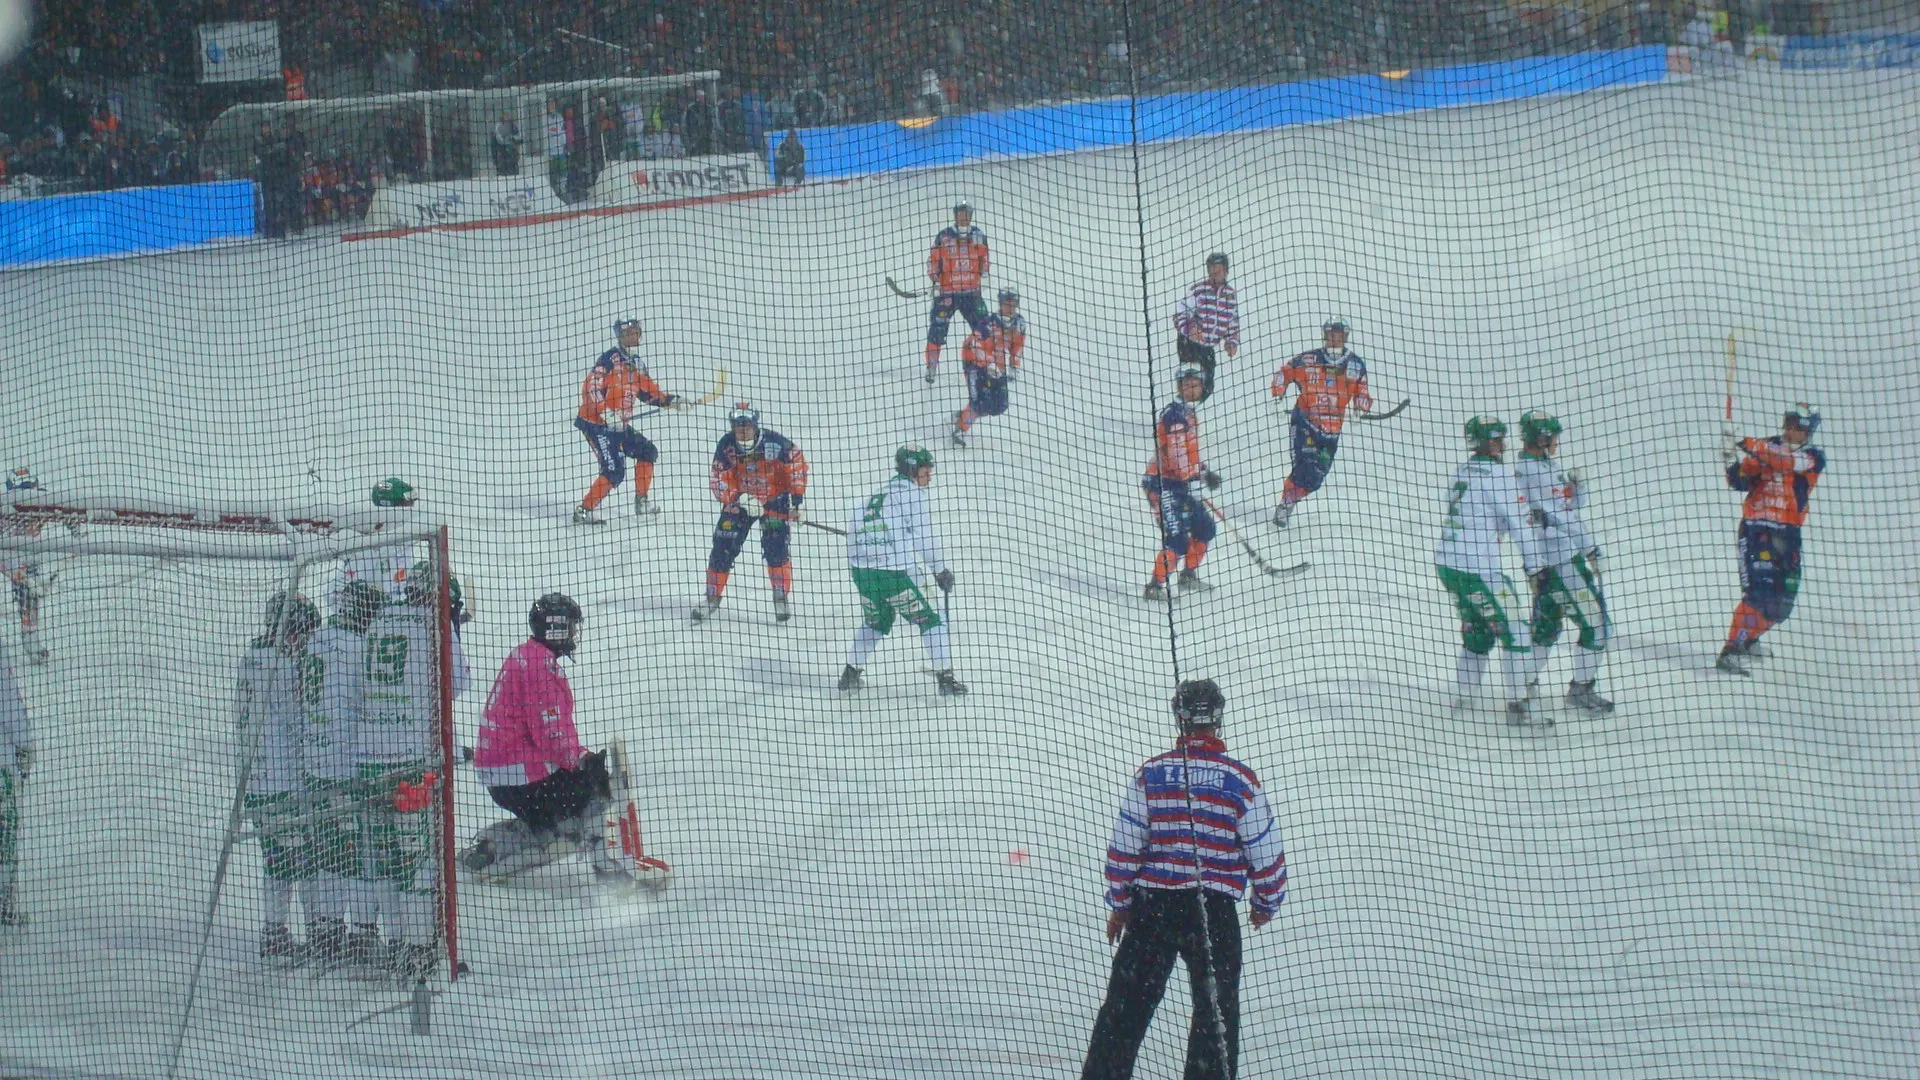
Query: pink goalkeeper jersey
x=526 y=734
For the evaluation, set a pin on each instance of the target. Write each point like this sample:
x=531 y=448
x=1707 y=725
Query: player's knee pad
x=641 y=448
x=1478 y=638
x=878 y=617
x=1200 y=524
x=1774 y=605
x=923 y=617
x=1545 y=630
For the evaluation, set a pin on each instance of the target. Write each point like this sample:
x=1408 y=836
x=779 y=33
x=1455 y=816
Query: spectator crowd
x=795 y=63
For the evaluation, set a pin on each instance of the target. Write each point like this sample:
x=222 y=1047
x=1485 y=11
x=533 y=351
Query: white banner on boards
x=239 y=51
x=454 y=201
x=629 y=183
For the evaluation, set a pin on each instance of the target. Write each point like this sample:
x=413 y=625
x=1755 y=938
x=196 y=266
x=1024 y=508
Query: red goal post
x=36 y=523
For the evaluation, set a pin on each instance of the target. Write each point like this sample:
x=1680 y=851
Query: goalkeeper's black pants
x=559 y=797
x=1164 y=925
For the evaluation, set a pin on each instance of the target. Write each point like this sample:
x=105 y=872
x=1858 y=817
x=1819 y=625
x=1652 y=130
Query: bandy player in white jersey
x=397 y=735
x=887 y=540
x=1483 y=505
x=269 y=720
x=1566 y=587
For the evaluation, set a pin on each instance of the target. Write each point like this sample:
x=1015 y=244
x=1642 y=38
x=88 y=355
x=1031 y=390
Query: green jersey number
x=312 y=671
x=874 y=521
x=387 y=659
x=1454 y=524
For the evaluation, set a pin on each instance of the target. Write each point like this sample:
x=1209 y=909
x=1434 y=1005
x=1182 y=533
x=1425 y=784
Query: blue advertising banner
x=123 y=222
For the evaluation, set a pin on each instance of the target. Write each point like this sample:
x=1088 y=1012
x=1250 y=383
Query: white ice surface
x=1719 y=880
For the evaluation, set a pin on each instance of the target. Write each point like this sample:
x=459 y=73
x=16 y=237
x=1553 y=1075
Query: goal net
x=268 y=695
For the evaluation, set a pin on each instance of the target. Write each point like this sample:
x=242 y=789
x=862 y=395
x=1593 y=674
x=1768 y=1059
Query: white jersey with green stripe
x=337 y=662
x=267 y=719
x=894 y=530
x=1483 y=505
x=399 y=720
x=1553 y=505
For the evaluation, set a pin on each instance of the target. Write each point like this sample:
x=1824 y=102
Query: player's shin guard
x=716 y=583
x=1163 y=566
x=936 y=642
x=865 y=640
x=1292 y=493
x=1748 y=625
x=1469 y=670
x=1586 y=664
x=1196 y=550
x=781 y=578
x=642 y=479
x=596 y=493
x=932 y=357
x=964 y=422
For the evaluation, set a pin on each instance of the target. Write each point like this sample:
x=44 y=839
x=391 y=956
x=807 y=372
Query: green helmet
x=1537 y=426
x=1482 y=430
x=359 y=602
x=911 y=458
x=423 y=588
x=393 y=491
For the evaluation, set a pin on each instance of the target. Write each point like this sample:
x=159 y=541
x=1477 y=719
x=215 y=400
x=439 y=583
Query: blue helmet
x=743 y=413
x=621 y=326
x=21 y=479
x=1009 y=296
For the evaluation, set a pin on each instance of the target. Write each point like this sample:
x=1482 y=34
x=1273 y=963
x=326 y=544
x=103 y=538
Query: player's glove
x=944 y=579
x=674 y=401
x=459 y=610
x=1211 y=479
x=795 y=516
x=749 y=504
x=1540 y=579
x=23 y=760
x=1576 y=477
x=1730 y=448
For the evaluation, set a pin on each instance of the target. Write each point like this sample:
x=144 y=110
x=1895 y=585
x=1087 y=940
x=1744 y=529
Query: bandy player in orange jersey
x=1185 y=526
x=758 y=475
x=956 y=264
x=1778 y=476
x=617 y=382
x=1331 y=379
x=991 y=364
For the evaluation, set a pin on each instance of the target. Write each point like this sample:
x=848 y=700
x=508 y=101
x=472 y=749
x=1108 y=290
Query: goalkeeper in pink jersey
x=531 y=760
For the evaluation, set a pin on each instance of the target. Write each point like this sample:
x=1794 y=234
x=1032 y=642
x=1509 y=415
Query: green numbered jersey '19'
x=399 y=719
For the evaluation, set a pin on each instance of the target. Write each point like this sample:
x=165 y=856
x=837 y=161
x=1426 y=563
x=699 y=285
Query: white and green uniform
x=16 y=753
x=396 y=734
x=269 y=716
x=1483 y=505
x=1572 y=561
x=334 y=688
x=888 y=538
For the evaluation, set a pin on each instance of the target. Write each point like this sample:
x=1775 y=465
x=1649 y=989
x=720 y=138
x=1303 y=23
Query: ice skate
x=1190 y=582
x=644 y=507
x=326 y=941
x=1155 y=593
x=1732 y=662
x=1517 y=714
x=1582 y=696
x=704 y=610
x=957 y=440
x=277 y=947
x=1282 y=514
x=949 y=686
x=850 y=679
x=782 y=608
x=584 y=516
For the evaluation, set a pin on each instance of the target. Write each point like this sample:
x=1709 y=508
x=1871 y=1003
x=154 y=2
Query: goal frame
x=301 y=541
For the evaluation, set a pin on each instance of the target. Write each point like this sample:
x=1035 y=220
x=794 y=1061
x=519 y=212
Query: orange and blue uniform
x=990 y=363
x=772 y=470
x=1778 y=480
x=617 y=382
x=1185 y=526
x=956 y=264
x=1329 y=385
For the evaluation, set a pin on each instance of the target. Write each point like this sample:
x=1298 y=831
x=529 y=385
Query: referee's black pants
x=1165 y=924
x=1200 y=356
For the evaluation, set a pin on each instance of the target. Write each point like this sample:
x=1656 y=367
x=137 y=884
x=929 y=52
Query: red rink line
x=567 y=215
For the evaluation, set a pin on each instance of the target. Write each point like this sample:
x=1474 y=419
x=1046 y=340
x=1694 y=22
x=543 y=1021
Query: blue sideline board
x=123 y=222
x=863 y=149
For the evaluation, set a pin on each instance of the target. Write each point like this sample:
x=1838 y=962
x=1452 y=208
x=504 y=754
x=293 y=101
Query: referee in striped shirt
x=1208 y=316
x=1194 y=831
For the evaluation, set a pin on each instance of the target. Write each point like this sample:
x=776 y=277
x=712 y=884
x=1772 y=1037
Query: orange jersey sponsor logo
x=1782 y=480
x=958 y=260
x=1327 y=387
x=615 y=384
x=1176 y=440
x=775 y=468
x=1000 y=354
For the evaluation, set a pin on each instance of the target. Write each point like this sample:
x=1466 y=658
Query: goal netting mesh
x=1649 y=814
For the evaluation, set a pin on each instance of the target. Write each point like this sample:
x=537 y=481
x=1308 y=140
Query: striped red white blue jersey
x=1209 y=314
x=1195 y=818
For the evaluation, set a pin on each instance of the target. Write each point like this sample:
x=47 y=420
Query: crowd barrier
x=631 y=183
x=399 y=206
x=123 y=222
x=861 y=149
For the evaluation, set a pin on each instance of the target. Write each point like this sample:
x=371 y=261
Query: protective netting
x=1628 y=219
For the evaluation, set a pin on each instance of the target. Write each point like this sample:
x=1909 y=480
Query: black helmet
x=1198 y=705
x=555 y=622
x=359 y=602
